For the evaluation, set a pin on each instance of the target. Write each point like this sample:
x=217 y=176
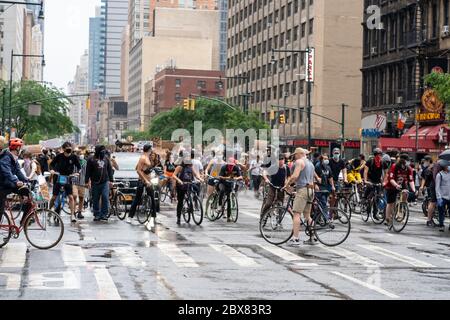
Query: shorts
x=391 y=195
x=78 y=191
x=212 y=182
x=354 y=177
x=68 y=188
x=432 y=194
x=303 y=200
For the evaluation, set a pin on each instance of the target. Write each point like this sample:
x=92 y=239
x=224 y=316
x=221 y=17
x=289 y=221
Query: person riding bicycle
x=65 y=164
x=337 y=166
x=275 y=181
x=373 y=172
x=443 y=192
x=230 y=172
x=12 y=179
x=183 y=175
x=400 y=175
x=354 y=171
x=325 y=183
x=428 y=176
x=169 y=169
x=213 y=170
x=143 y=169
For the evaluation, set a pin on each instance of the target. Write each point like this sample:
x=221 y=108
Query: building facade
x=96 y=52
x=114 y=15
x=276 y=81
x=112 y=120
x=125 y=64
x=177 y=31
x=171 y=86
x=92 y=132
x=411 y=41
x=223 y=11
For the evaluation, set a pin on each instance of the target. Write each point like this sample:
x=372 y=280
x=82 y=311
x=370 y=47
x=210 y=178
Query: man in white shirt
x=256 y=174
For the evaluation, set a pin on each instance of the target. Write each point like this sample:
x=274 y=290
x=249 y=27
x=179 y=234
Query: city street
x=220 y=260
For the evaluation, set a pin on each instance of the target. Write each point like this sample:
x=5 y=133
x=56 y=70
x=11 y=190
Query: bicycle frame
x=17 y=229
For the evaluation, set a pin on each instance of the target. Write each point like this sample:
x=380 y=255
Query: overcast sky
x=66 y=37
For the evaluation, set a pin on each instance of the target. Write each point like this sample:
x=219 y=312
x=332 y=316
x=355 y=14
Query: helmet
x=443 y=163
x=15 y=144
x=377 y=151
x=386 y=159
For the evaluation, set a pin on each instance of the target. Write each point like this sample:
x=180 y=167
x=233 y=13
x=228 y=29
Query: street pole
x=343 y=129
x=247 y=80
x=308 y=98
x=417 y=131
x=3 y=111
x=10 y=90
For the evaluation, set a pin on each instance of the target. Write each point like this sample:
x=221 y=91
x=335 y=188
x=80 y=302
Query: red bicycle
x=43 y=228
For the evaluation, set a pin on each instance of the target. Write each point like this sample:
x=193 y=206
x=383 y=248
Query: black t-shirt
x=233 y=173
x=375 y=173
x=324 y=173
x=336 y=167
x=65 y=165
x=279 y=178
x=427 y=175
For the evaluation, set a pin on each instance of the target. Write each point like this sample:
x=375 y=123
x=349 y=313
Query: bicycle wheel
x=66 y=206
x=121 y=206
x=435 y=217
x=401 y=216
x=211 y=207
x=5 y=229
x=366 y=208
x=164 y=194
x=425 y=208
x=44 y=229
x=354 y=203
x=379 y=210
x=276 y=225
x=187 y=209
x=332 y=232
x=143 y=212
x=234 y=208
x=344 y=205
x=197 y=214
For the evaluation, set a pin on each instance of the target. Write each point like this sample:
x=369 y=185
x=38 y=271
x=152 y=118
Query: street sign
x=310 y=65
x=34 y=110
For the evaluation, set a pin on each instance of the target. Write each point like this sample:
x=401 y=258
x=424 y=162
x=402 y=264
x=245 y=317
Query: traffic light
x=186 y=104
x=272 y=115
x=282 y=118
x=192 y=104
x=88 y=103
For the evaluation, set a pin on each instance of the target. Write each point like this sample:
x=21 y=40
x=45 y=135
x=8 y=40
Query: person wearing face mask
x=12 y=180
x=428 y=184
x=277 y=180
x=337 y=166
x=99 y=177
x=373 y=172
x=325 y=183
x=64 y=164
x=400 y=176
x=79 y=185
x=30 y=168
x=43 y=159
x=443 y=192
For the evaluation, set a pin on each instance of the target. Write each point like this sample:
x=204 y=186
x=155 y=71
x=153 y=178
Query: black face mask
x=68 y=151
x=45 y=152
x=102 y=154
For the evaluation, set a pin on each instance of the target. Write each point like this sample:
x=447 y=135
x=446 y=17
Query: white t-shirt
x=197 y=166
x=255 y=168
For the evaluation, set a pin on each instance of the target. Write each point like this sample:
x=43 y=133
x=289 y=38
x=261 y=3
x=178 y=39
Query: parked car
x=127 y=174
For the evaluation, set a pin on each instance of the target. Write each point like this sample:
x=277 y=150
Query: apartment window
x=303 y=4
x=302 y=87
x=303 y=29
x=294 y=88
x=177 y=97
x=177 y=83
x=201 y=84
x=446 y=14
x=295 y=33
x=311 y=26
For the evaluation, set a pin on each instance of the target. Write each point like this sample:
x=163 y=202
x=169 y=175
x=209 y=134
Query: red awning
x=409 y=145
x=425 y=133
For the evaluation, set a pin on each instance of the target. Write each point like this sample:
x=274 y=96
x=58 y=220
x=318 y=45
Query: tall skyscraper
x=114 y=15
x=96 y=52
x=223 y=9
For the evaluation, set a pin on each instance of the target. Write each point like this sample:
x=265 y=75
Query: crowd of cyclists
x=78 y=173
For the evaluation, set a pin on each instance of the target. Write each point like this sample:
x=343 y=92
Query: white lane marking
x=89 y=238
x=352 y=256
x=66 y=280
x=14 y=255
x=253 y=215
x=106 y=286
x=177 y=256
x=367 y=285
x=437 y=256
x=234 y=255
x=129 y=258
x=12 y=280
x=287 y=255
x=389 y=235
x=73 y=256
x=416 y=244
x=397 y=256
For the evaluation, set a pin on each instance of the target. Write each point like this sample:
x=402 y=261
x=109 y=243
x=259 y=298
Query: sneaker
x=96 y=219
x=152 y=222
x=128 y=220
x=430 y=223
x=178 y=221
x=310 y=242
x=72 y=218
x=441 y=228
x=80 y=216
x=229 y=220
x=294 y=242
x=104 y=219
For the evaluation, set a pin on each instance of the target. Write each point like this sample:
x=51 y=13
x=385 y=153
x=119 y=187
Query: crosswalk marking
x=12 y=281
x=399 y=257
x=14 y=255
x=129 y=258
x=287 y=255
x=73 y=256
x=177 y=256
x=367 y=285
x=253 y=215
x=352 y=256
x=106 y=286
x=237 y=257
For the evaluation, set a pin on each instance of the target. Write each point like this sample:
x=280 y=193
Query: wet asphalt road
x=220 y=260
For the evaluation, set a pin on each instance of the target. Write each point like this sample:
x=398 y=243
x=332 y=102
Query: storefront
x=351 y=147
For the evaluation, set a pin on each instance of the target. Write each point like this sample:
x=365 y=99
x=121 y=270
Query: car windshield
x=127 y=161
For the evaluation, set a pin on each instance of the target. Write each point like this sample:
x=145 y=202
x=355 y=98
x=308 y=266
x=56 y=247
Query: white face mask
x=82 y=157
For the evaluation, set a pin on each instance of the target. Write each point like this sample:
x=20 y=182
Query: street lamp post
x=11 y=77
x=308 y=83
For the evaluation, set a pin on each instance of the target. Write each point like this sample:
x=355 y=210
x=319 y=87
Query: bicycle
x=342 y=200
x=375 y=206
x=276 y=202
x=117 y=202
x=400 y=213
x=425 y=204
x=276 y=224
x=61 y=199
x=355 y=198
x=150 y=202
x=192 y=205
x=38 y=225
x=215 y=210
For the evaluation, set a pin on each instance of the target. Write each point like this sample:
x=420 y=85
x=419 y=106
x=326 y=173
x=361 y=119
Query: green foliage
x=137 y=135
x=52 y=122
x=440 y=82
x=214 y=115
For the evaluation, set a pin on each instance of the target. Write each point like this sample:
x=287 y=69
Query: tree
x=214 y=115
x=440 y=82
x=52 y=122
x=137 y=135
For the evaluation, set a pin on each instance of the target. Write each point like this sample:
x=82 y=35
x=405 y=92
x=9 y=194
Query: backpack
x=187 y=175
